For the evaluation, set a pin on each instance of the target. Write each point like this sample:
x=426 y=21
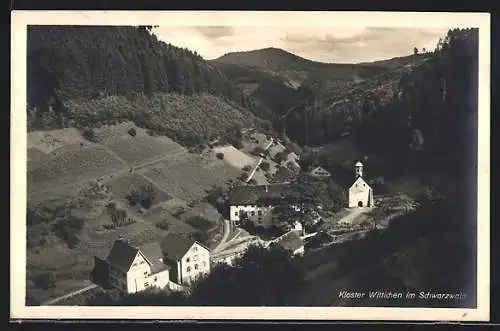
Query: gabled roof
x=290 y=241
x=153 y=253
x=122 y=255
x=360 y=182
x=250 y=194
x=320 y=171
x=176 y=246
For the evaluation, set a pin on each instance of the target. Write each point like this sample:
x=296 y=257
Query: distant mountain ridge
x=288 y=84
x=293 y=69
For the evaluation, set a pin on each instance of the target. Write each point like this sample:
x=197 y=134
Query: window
x=195 y=258
x=188 y=269
x=364 y=185
x=253 y=213
x=204 y=263
x=195 y=249
x=236 y=213
x=156 y=279
x=188 y=259
x=259 y=213
x=195 y=267
x=146 y=284
x=145 y=273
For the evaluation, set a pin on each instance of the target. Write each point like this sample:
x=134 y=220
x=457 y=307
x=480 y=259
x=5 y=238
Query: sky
x=323 y=44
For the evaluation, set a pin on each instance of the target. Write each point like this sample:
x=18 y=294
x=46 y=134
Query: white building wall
x=138 y=272
x=365 y=196
x=195 y=263
x=158 y=280
x=235 y=211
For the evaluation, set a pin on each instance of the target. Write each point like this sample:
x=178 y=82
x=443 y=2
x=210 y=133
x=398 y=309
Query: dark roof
x=159 y=267
x=152 y=251
x=175 y=245
x=290 y=241
x=122 y=255
x=250 y=194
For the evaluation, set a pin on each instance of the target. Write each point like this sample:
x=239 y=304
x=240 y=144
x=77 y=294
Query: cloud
x=374 y=44
x=325 y=44
x=215 y=32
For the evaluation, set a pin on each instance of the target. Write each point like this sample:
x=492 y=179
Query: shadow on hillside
x=432 y=249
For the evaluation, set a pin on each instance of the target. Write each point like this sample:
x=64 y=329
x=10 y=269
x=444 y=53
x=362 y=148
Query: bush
x=220 y=156
x=143 y=196
x=163 y=225
x=68 y=230
x=89 y=135
x=265 y=166
x=132 y=132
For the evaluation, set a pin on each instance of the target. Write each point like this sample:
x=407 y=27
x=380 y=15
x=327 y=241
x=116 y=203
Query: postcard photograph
x=236 y=165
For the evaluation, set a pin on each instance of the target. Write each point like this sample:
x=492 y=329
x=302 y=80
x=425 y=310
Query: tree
x=132 y=132
x=415 y=51
x=265 y=166
x=144 y=196
x=271 y=268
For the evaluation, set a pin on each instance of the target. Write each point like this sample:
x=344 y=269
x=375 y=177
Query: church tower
x=358 y=169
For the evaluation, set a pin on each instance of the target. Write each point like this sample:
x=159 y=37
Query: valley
x=151 y=142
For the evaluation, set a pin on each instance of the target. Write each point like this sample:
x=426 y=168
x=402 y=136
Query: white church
x=360 y=193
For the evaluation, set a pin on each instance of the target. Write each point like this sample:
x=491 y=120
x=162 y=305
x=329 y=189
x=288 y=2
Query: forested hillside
x=97 y=62
x=433 y=103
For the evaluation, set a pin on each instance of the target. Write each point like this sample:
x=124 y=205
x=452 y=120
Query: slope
x=71 y=65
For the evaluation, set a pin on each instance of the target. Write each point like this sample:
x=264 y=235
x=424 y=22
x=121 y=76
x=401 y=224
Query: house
x=290 y=241
x=256 y=201
x=132 y=269
x=320 y=172
x=360 y=193
x=187 y=259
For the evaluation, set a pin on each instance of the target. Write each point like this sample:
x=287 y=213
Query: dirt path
x=69 y=295
x=250 y=176
x=227 y=231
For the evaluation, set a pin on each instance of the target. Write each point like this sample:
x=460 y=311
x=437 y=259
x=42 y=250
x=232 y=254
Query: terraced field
x=189 y=179
x=120 y=187
x=140 y=149
x=175 y=225
x=73 y=162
